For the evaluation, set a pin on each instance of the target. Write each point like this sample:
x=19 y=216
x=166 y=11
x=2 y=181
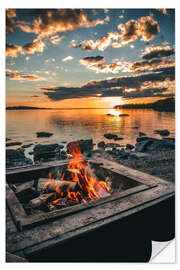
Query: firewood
x=57 y=185
x=37 y=202
x=24 y=189
x=70 y=173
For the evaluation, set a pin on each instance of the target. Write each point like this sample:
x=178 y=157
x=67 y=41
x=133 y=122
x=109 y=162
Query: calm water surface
x=69 y=125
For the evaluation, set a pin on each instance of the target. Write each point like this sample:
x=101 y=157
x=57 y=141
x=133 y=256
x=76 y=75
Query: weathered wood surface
x=10 y=225
x=27 y=173
x=22 y=189
x=43 y=236
x=15 y=207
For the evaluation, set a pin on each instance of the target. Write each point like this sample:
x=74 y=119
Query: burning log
x=57 y=185
x=69 y=174
x=37 y=202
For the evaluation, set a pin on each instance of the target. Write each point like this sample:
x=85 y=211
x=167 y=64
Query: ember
x=77 y=184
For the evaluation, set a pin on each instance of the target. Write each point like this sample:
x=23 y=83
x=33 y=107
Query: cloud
x=148 y=28
x=56 y=39
x=162 y=10
x=28 y=58
x=16 y=75
x=110 y=39
x=68 y=58
x=95 y=64
x=53 y=21
x=106 y=10
x=129 y=31
x=156 y=84
x=37 y=46
x=91 y=60
x=12 y=50
x=85 y=45
x=145 y=27
x=10 y=20
x=149 y=65
x=106 y=41
x=157 y=51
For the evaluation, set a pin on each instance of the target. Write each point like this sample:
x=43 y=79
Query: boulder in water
x=43 y=134
x=110 y=136
x=162 y=132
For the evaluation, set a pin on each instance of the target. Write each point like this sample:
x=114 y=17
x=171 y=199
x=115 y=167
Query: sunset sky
x=70 y=58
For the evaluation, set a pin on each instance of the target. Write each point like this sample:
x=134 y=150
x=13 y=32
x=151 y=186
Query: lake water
x=74 y=124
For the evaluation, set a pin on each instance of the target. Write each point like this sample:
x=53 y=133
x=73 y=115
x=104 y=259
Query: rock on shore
x=46 y=152
x=16 y=158
x=151 y=155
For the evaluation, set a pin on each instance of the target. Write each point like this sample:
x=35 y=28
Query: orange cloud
x=157 y=51
x=106 y=41
x=85 y=45
x=12 y=50
x=16 y=75
x=68 y=58
x=37 y=46
x=92 y=60
x=145 y=27
x=149 y=65
x=95 y=64
x=110 y=39
x=129 y=31
x=53 y=21
x=167 y=83
x=148 y=28
x=162 y=10
x=10 y=22
x=114 y=67
x=56 y=39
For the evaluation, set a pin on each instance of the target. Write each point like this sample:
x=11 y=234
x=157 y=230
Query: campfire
x=62 y=188
x=75 y=184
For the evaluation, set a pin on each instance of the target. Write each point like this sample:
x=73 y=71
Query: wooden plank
x=14 y=206
x=26 y=187
x=19 y=174
x=10 y=225
x=139 y=176
x=32 y=171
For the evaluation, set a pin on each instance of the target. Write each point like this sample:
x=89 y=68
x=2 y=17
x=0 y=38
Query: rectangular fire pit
x=133 y=192
x=122 y=186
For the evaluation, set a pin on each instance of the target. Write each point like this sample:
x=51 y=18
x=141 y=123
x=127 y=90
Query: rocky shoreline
x=150 y=155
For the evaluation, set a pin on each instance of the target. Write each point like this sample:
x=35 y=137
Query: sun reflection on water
x=114 y=112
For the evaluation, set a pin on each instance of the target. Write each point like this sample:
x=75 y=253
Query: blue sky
x=56 y=58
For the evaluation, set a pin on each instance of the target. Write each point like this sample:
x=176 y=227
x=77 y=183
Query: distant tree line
x=163 y=105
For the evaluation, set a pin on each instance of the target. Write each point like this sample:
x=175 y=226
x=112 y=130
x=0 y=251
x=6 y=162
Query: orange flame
x=90 y=187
